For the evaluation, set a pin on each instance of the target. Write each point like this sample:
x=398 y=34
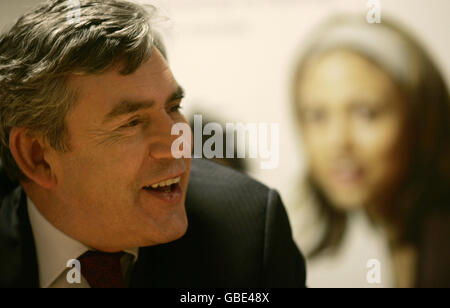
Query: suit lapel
x=18 y=261
x=142 y=269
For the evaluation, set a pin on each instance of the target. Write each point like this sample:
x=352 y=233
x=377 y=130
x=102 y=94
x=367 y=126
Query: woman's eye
x=367 y=113
x=314 y=115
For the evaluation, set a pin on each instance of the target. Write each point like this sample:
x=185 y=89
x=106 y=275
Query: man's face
x=120 y=137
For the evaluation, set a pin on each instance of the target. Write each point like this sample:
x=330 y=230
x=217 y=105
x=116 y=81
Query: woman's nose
x=340 y=133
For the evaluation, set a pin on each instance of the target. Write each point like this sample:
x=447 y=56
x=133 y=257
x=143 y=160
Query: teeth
x=166 y=183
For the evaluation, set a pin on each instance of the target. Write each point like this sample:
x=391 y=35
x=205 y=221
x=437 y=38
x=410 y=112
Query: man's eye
x=132 y=123
x=176 y=108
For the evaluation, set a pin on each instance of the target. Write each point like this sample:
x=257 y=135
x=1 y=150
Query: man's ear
x=28 y=152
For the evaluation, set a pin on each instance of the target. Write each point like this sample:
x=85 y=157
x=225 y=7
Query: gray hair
x=44 y=47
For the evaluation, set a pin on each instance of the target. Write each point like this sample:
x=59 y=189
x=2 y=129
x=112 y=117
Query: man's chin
x=176 y=233
x=173 y=231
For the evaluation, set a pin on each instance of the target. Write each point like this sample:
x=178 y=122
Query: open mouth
x=166 y=186
x=168 y=190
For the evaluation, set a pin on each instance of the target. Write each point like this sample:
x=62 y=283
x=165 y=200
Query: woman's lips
x=347 y=174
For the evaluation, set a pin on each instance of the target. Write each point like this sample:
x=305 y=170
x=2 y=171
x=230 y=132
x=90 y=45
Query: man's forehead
x=152 y=74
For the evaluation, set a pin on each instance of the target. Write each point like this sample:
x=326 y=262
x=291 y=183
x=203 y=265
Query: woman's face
x=352 y=118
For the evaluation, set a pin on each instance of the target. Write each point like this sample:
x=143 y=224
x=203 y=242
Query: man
x=87 y=104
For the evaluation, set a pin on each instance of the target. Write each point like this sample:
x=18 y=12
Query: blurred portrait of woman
x=373 y=114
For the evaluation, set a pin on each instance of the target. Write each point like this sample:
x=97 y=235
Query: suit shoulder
x=237 y=236
x=224 y=204
x=208 y=177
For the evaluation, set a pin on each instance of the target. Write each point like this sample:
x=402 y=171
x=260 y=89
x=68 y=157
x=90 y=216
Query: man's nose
x=162 y=139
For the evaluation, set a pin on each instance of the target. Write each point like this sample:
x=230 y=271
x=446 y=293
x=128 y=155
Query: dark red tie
x=102 y=269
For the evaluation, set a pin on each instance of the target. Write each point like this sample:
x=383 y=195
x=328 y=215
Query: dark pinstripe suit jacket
x=238 y=236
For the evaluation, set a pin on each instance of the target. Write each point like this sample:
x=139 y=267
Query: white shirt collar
x=54 y=248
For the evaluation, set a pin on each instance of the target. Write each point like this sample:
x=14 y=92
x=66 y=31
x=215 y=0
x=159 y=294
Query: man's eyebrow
x=126 y=106
x=178 y=94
